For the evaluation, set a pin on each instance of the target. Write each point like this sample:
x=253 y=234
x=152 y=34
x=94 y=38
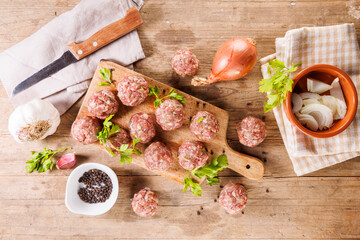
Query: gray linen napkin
x=65 y=87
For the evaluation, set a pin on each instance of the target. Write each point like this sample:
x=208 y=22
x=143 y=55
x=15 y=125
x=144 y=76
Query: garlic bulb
x=34 y=120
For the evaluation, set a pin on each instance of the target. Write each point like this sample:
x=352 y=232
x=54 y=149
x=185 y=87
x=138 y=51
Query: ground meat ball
x=142 y=126
x=170 y=114
x=192 y=154
x=102 y=104
x=158 y=157
x=145 y=203
x=116 y=140
x=132 y=90
x=233 y=198
x=84 y=129
x=251 y=131
x=204 y=125
x=185 y=63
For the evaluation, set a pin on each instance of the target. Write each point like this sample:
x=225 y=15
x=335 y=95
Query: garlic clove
x=66 y=161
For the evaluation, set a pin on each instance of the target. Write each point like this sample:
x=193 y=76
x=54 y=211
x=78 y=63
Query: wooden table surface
x=321 y=205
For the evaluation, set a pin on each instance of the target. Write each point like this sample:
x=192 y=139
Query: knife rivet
x=95 y=44
x=80 y=52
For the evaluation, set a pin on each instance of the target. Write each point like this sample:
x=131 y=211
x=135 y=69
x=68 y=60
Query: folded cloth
x=334 y=45
x=65 y=87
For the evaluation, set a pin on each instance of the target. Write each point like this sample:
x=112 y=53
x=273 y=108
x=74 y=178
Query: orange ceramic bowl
x=327 y=74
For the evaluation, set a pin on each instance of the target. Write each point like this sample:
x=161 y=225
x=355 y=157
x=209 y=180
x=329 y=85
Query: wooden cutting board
x=247 y=166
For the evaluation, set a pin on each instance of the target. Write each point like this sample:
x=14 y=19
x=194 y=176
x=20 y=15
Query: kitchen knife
x=78 y=51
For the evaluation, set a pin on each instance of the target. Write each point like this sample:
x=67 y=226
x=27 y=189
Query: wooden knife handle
x=248 y=166
x=108 y=34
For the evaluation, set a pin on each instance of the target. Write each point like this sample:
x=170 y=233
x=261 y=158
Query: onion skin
x=235 y=59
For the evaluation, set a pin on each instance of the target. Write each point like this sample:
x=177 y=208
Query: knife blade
x=78 y=51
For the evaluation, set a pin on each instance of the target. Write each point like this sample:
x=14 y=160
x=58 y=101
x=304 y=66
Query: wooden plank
x=288 y=208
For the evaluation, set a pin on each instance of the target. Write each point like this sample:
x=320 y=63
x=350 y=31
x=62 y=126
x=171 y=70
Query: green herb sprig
x=42 y=161
x=172 y=94
x=126 y=152
x=210 y=171
x=106 y=75
x=194 y=186
x=200 y=120
x=278 y=84
x=109 y=129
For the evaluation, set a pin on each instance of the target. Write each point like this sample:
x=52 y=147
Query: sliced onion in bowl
x=317 y=86
x=341 y=109
x=297 y=102
x=336 y=90
x=308 y=121
x=330 y=102
x=306 y=95
x=310 y=101
x=322 y=114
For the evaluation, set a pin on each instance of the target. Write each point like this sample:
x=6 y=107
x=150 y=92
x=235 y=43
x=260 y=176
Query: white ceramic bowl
x=78 y=206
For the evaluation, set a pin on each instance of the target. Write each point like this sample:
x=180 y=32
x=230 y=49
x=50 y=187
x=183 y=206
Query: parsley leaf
x=278 y=85
x=210 y=170
x=171 y=94
x=106 y=75
x=126 y=152
x=108 y=129
x=176 y=96
x=42 y=161
x=154 y=91
x=194 y=186
x=200 y=120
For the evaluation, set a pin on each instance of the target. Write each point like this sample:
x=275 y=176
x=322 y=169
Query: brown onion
x=234 y=59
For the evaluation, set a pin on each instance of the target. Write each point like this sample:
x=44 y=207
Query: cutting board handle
x=248 y=166
x=108 y=34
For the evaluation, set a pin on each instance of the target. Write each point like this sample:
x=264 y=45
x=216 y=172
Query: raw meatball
x=233 y=198
x=84 y=129
x=145 y=203
x=132 y=90
x=170 y=114
x=142 y=126
x=116 y=140
x=158 y=157
x=192 y=154
x=185 y=63
x=204 y=125
x=251 y=131
x=102 y=104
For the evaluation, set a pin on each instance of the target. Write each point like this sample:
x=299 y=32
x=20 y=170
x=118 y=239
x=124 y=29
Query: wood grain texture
x=321 y=205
